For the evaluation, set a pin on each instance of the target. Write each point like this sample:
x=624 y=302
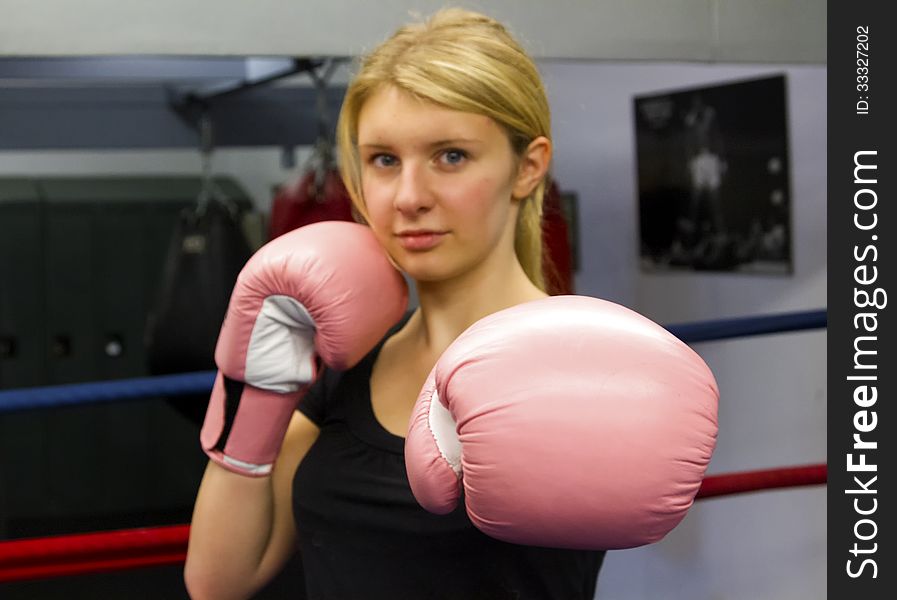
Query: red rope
x=766 y=479
x=100 y=552
x=92 y=552
x=89 y=566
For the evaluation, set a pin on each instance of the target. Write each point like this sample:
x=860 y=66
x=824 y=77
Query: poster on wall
x=713 y=178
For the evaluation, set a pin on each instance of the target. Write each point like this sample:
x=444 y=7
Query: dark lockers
x=80 y=264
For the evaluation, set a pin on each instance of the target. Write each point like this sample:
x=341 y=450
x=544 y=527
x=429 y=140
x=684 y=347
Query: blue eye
x=383 y=160
x=454 y=156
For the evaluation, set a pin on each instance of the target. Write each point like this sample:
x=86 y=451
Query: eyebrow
x=446 y=142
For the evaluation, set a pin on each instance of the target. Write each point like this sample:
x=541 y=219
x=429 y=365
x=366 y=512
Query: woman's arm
x=243 y=530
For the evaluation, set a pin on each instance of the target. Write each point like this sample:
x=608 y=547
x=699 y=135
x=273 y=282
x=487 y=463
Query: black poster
x=713 y=178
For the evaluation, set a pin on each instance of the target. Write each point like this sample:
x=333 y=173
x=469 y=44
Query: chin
x=426 y=270
x=423 y=275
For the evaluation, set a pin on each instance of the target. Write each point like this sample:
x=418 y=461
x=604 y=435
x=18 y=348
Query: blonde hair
x=463 y=61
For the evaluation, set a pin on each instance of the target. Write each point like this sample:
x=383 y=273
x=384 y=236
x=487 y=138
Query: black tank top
x=363 y=536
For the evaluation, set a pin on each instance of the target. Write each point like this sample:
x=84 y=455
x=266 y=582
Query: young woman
x=445 y=146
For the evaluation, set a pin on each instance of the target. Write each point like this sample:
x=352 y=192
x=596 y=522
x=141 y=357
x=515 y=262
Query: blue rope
x=705 y=331
x=106 y=391
x=201 y=382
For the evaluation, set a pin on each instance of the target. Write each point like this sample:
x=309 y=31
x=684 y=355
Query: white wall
x=755 y=546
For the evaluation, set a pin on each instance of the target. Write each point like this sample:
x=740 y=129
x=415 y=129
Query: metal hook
x=209 y=190
x=322 y=159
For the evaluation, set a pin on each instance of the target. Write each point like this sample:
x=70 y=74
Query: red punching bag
x=319 y=195
x=557 y=254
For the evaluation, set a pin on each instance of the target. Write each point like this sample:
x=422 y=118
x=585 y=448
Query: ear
x=533 y=166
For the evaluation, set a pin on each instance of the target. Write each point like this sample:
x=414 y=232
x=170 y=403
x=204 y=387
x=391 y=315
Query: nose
x=413 y=195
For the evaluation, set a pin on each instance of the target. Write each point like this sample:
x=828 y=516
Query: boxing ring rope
x=201 y=382
x=723 y=329
x=54 y=396
x=761 y=480
x=41 y=558
x=100 y=552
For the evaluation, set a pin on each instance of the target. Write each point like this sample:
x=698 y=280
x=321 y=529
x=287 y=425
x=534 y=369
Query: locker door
x=21 y=312
x=21 y=339
x=118 y=252
x=71 y=328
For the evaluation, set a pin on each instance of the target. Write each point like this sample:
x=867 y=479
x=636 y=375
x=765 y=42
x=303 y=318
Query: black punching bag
x=207 y=251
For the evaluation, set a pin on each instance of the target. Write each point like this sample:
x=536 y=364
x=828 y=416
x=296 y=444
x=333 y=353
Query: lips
x=420 y=239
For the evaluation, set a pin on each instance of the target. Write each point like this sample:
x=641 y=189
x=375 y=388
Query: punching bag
x=319 y=195
x=557 y=254
x=206 y=253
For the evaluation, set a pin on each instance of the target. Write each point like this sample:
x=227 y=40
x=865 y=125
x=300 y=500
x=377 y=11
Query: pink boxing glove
x=570 y=422
x=324 y=291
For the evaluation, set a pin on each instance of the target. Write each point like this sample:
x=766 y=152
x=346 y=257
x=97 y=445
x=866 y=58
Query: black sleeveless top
x=363 y=536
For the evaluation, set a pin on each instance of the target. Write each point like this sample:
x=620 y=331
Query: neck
x=448 y=307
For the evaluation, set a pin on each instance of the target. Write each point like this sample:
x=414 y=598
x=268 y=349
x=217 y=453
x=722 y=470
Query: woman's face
x=437 y=185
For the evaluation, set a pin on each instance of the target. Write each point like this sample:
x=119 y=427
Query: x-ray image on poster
x=713 y=179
